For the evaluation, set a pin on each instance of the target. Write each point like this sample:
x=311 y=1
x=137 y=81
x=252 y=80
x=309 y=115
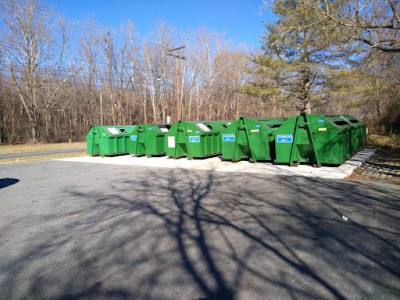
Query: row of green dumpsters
x=306 y=138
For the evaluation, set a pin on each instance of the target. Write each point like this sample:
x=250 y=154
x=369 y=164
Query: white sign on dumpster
x=171 y=142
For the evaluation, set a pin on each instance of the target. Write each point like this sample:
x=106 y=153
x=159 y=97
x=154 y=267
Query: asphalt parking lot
x=71 y=230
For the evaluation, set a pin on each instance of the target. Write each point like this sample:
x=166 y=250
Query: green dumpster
x=108 y=140
x=251 y=139
x=148 y=139
x=194 y=139
x=358 y=134
x=314 y=138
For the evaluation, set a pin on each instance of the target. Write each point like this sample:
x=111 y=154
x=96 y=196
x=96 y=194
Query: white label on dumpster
x=113 y=130
x=171 y=142
x=164 y=129
x=284 y=138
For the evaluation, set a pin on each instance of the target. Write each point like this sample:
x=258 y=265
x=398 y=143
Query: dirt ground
x=384 y=164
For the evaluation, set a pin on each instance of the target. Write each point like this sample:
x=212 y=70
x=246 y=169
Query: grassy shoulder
x=40 y=157
x=24 y=148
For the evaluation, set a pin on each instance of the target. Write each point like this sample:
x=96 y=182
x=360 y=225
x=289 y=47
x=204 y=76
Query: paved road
x=38 y=153
x=74 y=230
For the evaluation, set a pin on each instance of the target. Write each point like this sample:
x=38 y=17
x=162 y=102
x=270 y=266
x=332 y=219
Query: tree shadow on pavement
x=181 y=234
x=6 y=182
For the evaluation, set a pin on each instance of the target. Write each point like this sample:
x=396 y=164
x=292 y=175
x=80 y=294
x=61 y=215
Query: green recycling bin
x=148 y=139
x=358 y=133
x=316 y=139
x=194 y=139
x=109 y=140
x=251 y=139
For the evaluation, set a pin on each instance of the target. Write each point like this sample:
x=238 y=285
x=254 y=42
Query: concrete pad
x=216 y=164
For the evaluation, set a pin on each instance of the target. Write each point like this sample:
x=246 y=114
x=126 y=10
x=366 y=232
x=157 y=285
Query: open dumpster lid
x=203 y=127
x=113 y=130
x=163 y=128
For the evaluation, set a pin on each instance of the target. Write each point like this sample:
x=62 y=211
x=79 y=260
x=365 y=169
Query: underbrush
x=385 y=144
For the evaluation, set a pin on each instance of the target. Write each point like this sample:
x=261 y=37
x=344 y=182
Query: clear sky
x=239 y=19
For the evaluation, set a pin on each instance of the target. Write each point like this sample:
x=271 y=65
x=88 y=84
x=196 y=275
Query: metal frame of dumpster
x=194 y=139
x=109 y=140
x=148 y=139
x=249 y=138
x=316 y=139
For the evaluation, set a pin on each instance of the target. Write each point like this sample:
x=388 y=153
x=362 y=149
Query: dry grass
x=384 y=142
x=39 y=157
x=23 y=148
x=387 y=148
x=387 y=155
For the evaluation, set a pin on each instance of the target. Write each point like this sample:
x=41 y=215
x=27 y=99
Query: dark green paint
x=251 y=139
x=194 y=139
x=148 y=139
x=109 y=140
x=319 y=139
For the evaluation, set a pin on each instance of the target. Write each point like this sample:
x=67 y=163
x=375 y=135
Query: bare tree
x=27 y=41
x=53 y=70
x=89 y=55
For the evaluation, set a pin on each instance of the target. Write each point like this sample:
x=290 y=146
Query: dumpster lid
x=203 y=127
x=274 y=125
x=352 y=119
x=341 y=123
x=163 y=128
x=113 y=130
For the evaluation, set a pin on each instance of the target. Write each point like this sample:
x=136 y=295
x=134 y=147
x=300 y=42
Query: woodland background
x=320 y=56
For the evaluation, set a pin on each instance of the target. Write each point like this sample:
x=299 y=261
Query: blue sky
x=240 y=20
